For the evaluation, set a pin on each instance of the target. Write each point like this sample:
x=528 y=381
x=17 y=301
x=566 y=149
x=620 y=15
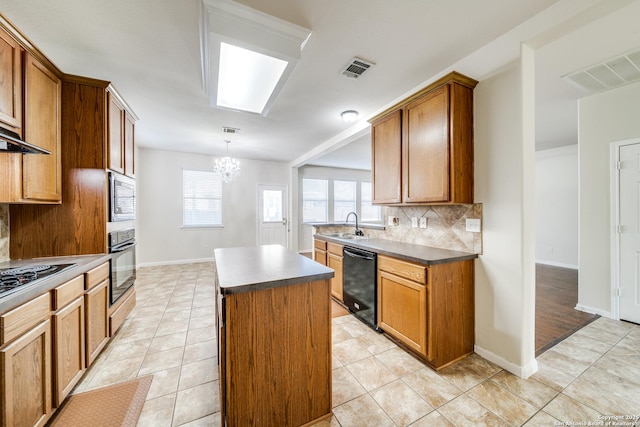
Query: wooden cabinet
x=386 y=158
x=25 y=364
x=280 y=379
x=320 y=251
x=120 y=310
x=68 y=338
x=96 y=302
x=334 y=260
x=11 y=82
x=120 y=136
x=30 y=96
x=422 y=148
x=428 y=309
x=42 y=174
x=79 y=225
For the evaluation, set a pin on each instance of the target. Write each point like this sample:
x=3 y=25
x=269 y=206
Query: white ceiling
x=150 y=50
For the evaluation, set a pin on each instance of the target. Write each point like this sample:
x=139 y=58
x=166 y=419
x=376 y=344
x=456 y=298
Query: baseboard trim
x=175 y=262
x=520 y=371
x=593 y=310
x=557 y=264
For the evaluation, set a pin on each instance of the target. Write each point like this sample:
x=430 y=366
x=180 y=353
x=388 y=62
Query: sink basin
x=347 y=236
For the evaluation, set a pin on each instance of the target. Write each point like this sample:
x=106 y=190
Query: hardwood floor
x=556 y=297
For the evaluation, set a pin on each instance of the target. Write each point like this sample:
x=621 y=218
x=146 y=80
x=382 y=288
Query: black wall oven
x=122 y=247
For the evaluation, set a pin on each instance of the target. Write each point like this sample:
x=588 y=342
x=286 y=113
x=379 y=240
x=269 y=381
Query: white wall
x=603 y=118
x=504 y=307
x=557 y=206
x=160 y=237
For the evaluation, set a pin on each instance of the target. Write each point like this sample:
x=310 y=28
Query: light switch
x=473 y=225
x=414 y=222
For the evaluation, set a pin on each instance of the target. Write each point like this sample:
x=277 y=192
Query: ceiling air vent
x=356 y=67
x=230 y=131
x=608 y=74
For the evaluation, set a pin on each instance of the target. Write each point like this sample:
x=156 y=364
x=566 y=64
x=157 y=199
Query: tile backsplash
x=4 y=232
x=445 y=228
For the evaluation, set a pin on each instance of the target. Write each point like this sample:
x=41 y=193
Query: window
x=315 y=200
x=369 y=212
x=344 y=199
x=202 y=199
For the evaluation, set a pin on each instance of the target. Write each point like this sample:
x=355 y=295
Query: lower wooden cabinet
x=320 y=251
x=25 y=364
x=96 y=301
x=334 y=260
x=68 y=345
x=428 y=309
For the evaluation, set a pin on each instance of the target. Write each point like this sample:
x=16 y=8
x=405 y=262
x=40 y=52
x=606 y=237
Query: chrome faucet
x=357 y=232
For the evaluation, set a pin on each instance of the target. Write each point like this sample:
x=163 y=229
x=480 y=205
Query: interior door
x=273 y=226
x=629 y=231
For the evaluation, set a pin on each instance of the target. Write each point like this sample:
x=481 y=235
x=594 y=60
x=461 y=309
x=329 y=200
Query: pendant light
x=227 y=167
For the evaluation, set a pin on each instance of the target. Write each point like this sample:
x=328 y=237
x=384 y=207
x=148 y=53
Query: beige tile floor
x=171 y=335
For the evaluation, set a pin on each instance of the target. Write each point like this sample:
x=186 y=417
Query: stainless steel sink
x=347 y=236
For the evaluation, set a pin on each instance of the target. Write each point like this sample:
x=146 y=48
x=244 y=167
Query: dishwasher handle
x=360 y=255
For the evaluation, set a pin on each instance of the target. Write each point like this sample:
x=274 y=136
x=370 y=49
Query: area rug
x=116 y=405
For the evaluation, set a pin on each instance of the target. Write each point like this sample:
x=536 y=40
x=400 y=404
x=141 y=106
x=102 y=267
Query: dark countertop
x=83 y=263
x=246 y=269
x=365 y=225
x=407 y=251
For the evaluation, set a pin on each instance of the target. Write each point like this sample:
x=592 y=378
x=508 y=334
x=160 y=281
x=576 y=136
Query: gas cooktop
x=12 y=279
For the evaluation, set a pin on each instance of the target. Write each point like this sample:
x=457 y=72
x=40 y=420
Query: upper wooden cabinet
x=386 y=158
x=30 y=102
x=121 y=136
x=42 y=174
x=11 y=82
x=422 y=148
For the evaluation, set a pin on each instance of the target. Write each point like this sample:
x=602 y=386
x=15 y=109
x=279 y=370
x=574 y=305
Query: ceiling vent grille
x=609 y=74
x=356 y=68
x=230 y=131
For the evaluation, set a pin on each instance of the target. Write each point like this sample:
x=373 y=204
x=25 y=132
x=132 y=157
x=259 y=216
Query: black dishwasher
x=359 y=290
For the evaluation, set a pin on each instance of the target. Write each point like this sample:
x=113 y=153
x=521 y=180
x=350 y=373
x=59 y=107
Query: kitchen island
x=274 y=337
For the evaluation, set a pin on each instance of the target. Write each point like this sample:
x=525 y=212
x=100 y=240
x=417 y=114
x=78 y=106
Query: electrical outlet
x=473 y=225
x=393 y=220
x=414 y=222
x=423 y=222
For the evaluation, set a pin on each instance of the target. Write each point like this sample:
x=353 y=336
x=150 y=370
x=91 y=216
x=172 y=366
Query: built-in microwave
x=122 y=197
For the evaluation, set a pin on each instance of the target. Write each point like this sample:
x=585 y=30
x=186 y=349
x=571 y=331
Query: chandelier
x=227 y=167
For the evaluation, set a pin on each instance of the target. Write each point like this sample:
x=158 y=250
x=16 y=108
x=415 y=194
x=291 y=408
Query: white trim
x=593 y=310
x=175 y=262
x=521 y=371
x=614 y=194
x=557 y=264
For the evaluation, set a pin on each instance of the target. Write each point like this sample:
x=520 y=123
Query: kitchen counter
x=407 y=251
x=246 y=269
x=83 y=263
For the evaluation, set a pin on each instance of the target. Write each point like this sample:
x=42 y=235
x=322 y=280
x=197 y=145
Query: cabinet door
x=129 y=146
x=425 y=157
x=11 y=82
x=42 y=174
x=96 y=303
x=115 y=118
x=335 y=262
x=320 y=256
x=402 y=310
x=68 y=348
x=386 y=152
x=26 y=371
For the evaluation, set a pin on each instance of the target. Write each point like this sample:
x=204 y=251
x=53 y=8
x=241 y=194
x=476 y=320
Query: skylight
x=246 y=79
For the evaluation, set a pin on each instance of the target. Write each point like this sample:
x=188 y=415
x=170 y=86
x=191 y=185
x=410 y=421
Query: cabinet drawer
x=97 y=276
x=64 y=294
x=320 y=244
x=23 y=318
x=334 y=248
x=415 y=272
x=118 y=317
